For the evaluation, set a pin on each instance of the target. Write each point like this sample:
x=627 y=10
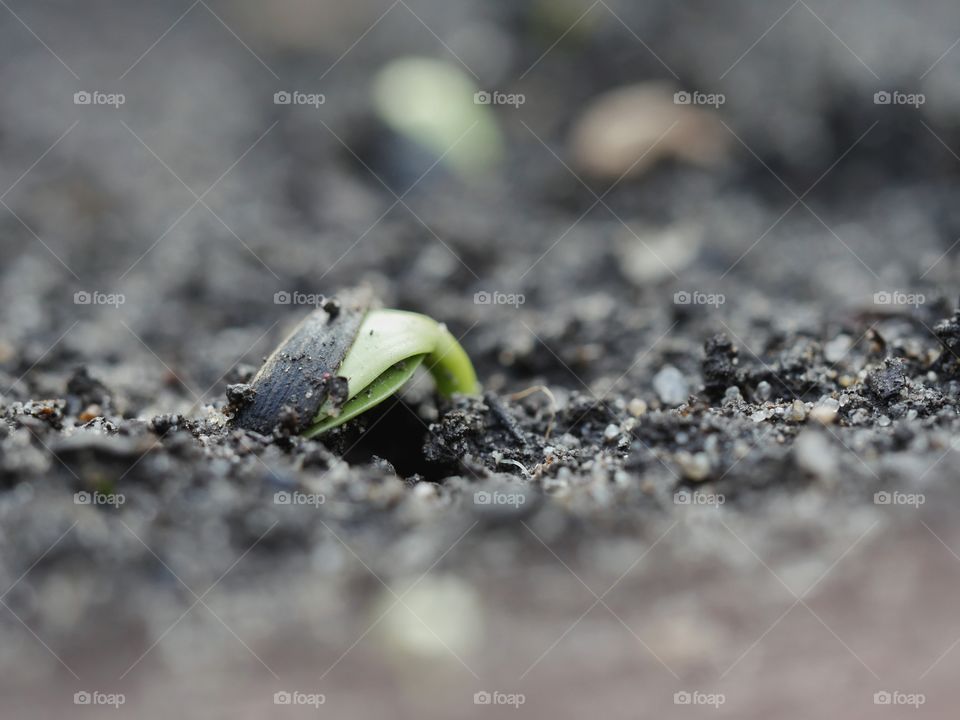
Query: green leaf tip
x=389 y=346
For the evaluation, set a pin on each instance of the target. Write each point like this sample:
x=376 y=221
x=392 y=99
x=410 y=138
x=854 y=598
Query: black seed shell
x=301 y=372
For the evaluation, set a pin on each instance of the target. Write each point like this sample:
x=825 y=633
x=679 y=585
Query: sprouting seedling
x=344 y=359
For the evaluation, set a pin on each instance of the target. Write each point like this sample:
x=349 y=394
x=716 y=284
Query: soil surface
x=714 y=466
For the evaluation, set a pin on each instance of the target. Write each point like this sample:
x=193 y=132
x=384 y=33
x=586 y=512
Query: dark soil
x=751 y=498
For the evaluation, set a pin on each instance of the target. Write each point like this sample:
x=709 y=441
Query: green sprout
x=344 y=359
x=390 y=346
x=431 y=103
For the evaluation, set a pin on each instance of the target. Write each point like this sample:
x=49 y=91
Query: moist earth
x=750 y=496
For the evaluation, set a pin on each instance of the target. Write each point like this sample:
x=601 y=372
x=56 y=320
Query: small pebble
x=612 y=432
x=637 y=407
x=695 y=467
x=731 y=395
x=830 y=403
x=835 y=350
x=671 y=386
x=759 y=416
x=824 y=414
x=763 y=390
x=798 y=411
x=426 y=491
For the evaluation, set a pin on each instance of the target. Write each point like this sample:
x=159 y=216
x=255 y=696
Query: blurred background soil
x=740 y=299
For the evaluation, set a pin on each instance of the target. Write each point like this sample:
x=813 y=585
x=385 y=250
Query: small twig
x=506 y=461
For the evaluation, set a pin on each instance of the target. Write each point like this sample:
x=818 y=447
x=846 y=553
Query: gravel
x=715 y=453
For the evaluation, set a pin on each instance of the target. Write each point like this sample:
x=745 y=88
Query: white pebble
x=798 y=411
x=671 y=386
x=834 y=350
x=764 y=390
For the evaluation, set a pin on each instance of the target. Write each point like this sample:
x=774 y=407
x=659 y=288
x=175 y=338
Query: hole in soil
x=396 y=434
